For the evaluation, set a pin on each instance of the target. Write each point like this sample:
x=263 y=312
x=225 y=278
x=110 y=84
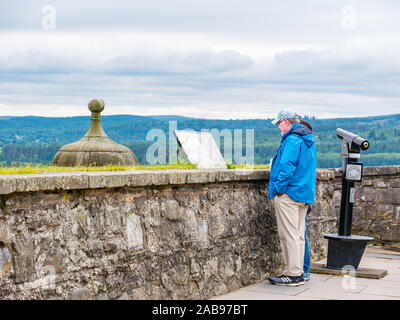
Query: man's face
x=284 y=125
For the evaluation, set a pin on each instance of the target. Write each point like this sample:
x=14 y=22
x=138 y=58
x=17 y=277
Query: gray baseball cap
x=287 y=113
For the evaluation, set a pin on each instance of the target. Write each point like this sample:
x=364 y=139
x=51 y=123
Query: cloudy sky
x=225 y=59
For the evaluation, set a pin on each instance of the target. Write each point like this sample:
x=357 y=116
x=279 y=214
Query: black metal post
x=346 y=206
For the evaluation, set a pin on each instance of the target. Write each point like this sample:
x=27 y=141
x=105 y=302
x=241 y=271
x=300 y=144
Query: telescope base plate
x=345 y=251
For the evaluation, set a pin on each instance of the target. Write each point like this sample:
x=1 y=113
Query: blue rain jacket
x=294 y=167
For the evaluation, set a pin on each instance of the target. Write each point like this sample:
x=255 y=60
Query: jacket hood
x=303 y=132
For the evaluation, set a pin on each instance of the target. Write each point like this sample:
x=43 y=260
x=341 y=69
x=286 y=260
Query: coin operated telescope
x=345 y=249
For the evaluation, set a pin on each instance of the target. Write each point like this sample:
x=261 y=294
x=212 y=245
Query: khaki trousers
x=290 y=217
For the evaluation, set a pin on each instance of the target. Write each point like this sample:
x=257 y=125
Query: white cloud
x=207 y=59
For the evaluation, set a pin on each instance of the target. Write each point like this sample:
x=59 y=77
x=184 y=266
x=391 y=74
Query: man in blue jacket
x=292 y=188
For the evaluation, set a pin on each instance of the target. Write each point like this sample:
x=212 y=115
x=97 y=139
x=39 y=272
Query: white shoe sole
x=288 y=284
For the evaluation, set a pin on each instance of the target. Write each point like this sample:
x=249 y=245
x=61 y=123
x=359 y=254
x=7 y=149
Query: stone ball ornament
x=96 y=105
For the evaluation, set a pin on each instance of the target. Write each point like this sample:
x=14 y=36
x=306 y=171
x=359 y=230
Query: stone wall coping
x=140 y=178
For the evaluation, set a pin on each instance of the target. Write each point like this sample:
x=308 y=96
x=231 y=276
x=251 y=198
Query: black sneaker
x=287 y=280
x=302 y=279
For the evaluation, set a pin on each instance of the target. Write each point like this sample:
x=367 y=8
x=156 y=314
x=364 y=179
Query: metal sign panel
x=354 y=171
x=200 y=149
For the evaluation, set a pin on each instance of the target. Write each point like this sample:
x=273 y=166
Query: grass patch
x=245 y=166
x=32 y=169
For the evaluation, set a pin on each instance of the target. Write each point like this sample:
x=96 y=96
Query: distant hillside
x=170 y=118
x=37 y=139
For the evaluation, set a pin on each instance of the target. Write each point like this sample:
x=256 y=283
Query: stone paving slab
x=382 y=255
x=255 y=295
x=361 y=272
x=338 y=285
x=390 y=278
x=332 y=287
x=382 y=291
x=393 y=267
x=389 y=281
x=267 y=287
x=317 y=294
x=379 y=249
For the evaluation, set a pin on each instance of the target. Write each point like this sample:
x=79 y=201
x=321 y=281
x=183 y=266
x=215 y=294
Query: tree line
x=37 y=139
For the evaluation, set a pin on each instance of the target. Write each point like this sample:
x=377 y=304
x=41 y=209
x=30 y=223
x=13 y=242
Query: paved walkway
x=328 y=287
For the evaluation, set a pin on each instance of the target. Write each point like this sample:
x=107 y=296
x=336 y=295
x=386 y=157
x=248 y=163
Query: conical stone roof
x=95 y=148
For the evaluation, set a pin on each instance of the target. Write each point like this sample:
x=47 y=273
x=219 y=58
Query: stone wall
x=376 y=211
x=140 y=235
x=170 y=234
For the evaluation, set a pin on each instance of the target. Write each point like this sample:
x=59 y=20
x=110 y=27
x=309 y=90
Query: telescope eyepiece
x=365 y=145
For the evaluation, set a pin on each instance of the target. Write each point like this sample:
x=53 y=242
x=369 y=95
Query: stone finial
x=95 y=148
x=95 y=130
